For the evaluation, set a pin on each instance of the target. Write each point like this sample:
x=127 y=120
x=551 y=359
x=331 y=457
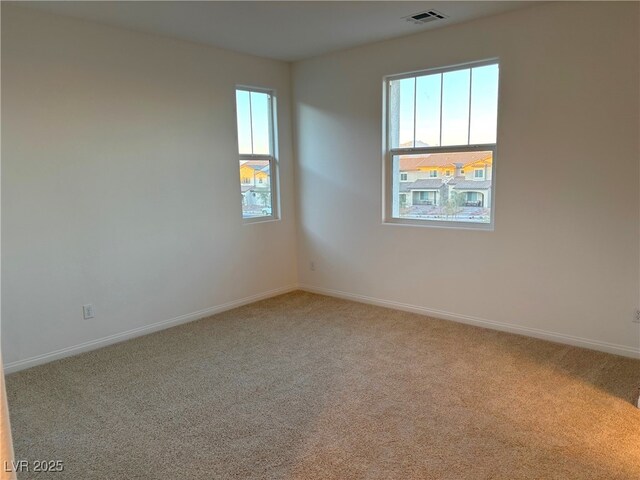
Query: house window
x=255 y=111
x=444 y=116
x=425 y=198
x=403 y=177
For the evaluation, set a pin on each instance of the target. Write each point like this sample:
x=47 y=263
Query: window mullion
x=256 y=156
x=448 y=148
x=251 y=120
x=469 y=118
x=441 y=90
x=272 y=129
x=415 y=96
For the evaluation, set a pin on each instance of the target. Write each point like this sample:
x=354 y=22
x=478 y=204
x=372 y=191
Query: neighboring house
x=255 y=183
x=428 y=191
x=475 y=193
x=433 y=179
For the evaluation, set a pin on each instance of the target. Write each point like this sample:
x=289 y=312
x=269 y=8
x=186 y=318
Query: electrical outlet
x=312 y=266
x=87 y=311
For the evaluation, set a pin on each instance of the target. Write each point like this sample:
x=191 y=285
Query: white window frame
x=388 y=173
x=274 y=173
x=475 y=173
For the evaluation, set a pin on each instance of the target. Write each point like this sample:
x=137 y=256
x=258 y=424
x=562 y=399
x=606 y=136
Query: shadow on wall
x=330 y=187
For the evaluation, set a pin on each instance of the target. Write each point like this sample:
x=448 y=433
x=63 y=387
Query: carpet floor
x=303 y=386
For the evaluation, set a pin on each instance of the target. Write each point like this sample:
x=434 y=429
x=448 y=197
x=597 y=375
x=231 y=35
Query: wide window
x=255 y=112
x=440 y=124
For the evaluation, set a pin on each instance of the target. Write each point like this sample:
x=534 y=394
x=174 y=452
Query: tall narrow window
x=442 y=120
x=255 y=110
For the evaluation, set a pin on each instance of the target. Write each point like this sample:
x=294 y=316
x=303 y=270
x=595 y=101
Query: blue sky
x=253 y=122
x=460 y=125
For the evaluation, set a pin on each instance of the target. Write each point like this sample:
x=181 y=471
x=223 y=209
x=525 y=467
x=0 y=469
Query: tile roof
x=427 y=183
x=415 y=162
x=456 y=180
x=260 y=165
x=473 y=184
x=422 y=184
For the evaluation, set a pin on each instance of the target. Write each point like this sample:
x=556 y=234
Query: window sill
x=406 y=222
x=251 y=221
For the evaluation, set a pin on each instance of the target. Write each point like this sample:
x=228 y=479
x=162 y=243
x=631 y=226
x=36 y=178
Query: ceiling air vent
x=425 y=17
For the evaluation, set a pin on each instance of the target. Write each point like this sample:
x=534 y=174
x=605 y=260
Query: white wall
x=562 y=262
x=120 y=180
x=120 y=183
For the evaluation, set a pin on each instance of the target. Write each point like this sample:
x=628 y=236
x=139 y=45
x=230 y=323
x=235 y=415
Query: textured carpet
x=310 y=387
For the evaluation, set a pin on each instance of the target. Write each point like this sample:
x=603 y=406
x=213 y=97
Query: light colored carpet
x=310 y=387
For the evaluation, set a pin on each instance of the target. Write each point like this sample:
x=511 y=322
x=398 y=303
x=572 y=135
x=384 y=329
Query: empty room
x=320 y=240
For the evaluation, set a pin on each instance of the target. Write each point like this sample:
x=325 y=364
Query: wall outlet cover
x=87 y=311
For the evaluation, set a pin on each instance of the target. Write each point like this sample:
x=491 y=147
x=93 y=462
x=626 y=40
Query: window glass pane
x=428 y=110
x=260 y=123
x=244 y=121
x=456 y=198
x=401 y=112
x=484 y=104
x=255 y=185
x=455 y=107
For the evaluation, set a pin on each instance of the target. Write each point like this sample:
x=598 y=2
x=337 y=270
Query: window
x=255 y=111
x=442 y=120
x=425 y=198
x=403 y=177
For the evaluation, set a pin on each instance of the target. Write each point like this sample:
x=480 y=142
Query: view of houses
x=255 y=184
x=445 y=186
x=437 y=186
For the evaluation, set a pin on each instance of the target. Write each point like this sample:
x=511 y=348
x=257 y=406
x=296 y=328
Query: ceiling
x=282 y=30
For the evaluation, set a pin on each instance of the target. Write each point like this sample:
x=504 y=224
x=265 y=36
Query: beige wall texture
x=120 y=183
x=563 y=261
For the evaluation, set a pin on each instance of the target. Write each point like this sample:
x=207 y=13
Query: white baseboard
x=481 y=322
x=17 y=365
